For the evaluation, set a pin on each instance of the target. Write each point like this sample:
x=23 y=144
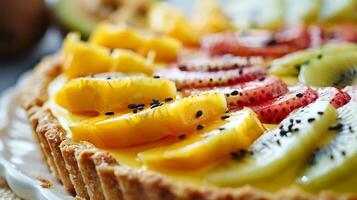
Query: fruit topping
x=338 y=70
x=249 y=93
x=163 y=48
x=275 y=110
x=278 y=151
x=218 y=63
x=290 y=64
x=352 y=92
x=103 y=94
x=115 y=37
x=82 y=59
x=335 y=96
x=335 y=160
x=146 y=125
x=185 y=79
x=214 y=142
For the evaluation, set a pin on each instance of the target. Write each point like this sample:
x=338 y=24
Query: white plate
x=20 y=158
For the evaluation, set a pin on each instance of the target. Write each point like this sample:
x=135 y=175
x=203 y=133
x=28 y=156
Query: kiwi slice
x=276 y=150
x=290 y=64
x=338 y=70
x=306 y=11
x=338 y=158
x=333 y=11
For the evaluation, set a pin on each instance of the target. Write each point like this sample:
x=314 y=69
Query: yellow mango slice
x=235 y=133
x=81 y=58
x=169 y=20
x=127 y=61
x=102 y=95
x=152 y=124
x=163 y=48
x=115 y=36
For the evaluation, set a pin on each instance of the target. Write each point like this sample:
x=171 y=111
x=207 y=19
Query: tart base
x=90 y=173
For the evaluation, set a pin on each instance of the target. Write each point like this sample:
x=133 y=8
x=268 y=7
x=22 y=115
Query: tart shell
x=90 y=173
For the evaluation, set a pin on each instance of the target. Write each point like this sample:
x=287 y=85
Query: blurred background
x=30 y=29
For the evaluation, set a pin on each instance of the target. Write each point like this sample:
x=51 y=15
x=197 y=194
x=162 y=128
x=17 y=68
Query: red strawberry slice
x=263 y=43
x=185 y=79
x=218 y=63
x=335 y=96
x=352 y=92
x=249 y=93
x=275 y=110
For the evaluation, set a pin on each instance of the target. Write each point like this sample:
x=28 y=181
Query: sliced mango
x=163 y=48
x=152 y=124
x=223 y=137
x=102 y=95
x=169 y=20
x=129 y=62
x=81 y=58
x=115 y=36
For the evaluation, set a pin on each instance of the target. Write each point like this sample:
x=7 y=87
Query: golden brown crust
x=94 y=174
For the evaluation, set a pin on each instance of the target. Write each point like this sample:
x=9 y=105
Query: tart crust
x=90 y=173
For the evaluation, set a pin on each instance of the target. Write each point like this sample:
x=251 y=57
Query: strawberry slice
x=186 y=79
x=263 y=43
x=345 y=32
x=335 y=96
x=249 y=93
x=275 y=110
x=352 y=92
x=218 y=63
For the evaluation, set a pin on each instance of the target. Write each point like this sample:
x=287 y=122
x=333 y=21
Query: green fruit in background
x=83 y=15
x=22 y=24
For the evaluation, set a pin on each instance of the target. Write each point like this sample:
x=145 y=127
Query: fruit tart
x=131 y=116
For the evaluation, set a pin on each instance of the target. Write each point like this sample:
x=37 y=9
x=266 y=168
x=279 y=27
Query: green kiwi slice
x=278 y=150
x=338 y=70
x=338 y=158
x=290 y=64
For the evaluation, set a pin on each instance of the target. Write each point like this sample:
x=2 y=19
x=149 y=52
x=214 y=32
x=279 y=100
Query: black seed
x=156 y=76
x=235 y=92
x=343 y=153
x=199 y=114
x=298 y=121
x=306 y=62
x=221 y=129
x=283 y=133
x=299 y=95
x=182 y=136
x=199 y=127
x=169 y=99
x=332 y=157
x=320 y=113
x=108 y=78
x=337 y=127
x=154 y=106
x=224 y=117
x=132 y=106
x=278 y=142
x=319 y=56
x=178 y=89
x=135 y=111
x=295 y=130
x=311 y=120
x=261 y=78
x=109 y=113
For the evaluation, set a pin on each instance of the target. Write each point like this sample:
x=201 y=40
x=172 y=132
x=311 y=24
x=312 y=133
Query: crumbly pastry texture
x=90 y=173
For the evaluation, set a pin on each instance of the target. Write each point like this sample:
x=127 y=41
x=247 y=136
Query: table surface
x=10 y=70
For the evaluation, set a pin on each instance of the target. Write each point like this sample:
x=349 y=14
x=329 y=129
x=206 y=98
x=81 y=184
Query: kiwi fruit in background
x=22 y=24
x=338 y=70
x=83 y=15
x=290 y=64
